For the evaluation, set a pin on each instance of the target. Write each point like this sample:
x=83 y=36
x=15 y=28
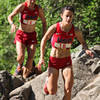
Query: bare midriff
x=60 y=53
x=27 y=28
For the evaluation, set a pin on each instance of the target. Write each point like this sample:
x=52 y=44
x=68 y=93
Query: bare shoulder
x=53 y=27
x=20 y=7
x=50 y=31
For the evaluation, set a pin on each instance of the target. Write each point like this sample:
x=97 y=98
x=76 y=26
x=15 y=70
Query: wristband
x=11 y=23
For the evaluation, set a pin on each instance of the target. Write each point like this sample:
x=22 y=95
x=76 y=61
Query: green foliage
x=87 y=18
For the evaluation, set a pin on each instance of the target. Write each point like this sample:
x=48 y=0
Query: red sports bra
x=29 y=17
x=61 y=39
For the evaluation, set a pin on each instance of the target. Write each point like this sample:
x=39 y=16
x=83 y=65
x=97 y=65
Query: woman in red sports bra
x=26 y=35
x=63 y=34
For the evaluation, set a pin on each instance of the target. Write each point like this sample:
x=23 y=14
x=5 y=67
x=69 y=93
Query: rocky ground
x=86 y=81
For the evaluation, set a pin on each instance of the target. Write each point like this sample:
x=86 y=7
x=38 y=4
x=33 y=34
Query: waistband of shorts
x=69 y=57
x=26 y=32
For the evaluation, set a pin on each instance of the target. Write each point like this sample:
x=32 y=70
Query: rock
x=95 y=68
x=86 y=81
x=36 y=88
x=21 y=93
x=91 y=91
x=5 y=85
x=96 y=48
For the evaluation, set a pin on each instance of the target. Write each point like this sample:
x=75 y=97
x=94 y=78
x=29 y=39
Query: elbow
x=9 y=17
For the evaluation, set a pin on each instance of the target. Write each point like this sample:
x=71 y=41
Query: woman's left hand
x=89 y=52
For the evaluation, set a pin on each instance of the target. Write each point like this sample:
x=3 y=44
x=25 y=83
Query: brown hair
x=67 y=8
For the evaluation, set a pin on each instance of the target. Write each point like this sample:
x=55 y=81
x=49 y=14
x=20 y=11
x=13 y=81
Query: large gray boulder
x=34 y=90
x=86 y=81
x=91 y=91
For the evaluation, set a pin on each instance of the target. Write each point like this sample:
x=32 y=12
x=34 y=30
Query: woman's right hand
x=42 y=62
x=13 y=28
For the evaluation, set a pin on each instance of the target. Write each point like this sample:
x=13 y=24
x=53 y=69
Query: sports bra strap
x=58 y=27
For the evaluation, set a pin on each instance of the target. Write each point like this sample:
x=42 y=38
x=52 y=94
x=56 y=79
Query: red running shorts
x=59 y=63
x=25 y=38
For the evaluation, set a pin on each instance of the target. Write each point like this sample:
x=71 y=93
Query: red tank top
x=61 y=39
x=29 y=17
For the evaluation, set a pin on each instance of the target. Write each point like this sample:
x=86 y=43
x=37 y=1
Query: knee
x=52 y=91
x=68 y=90
x=20 y=58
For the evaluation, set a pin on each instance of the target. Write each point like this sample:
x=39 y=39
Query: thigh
x=20 y=48
x=52 y=78
x=67 y=74
x=31 y=50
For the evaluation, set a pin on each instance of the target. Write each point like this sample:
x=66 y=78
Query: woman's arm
x=80 y=38
x=43 y=19
x=14 y=12
x=10 y=17
x=46 y=37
